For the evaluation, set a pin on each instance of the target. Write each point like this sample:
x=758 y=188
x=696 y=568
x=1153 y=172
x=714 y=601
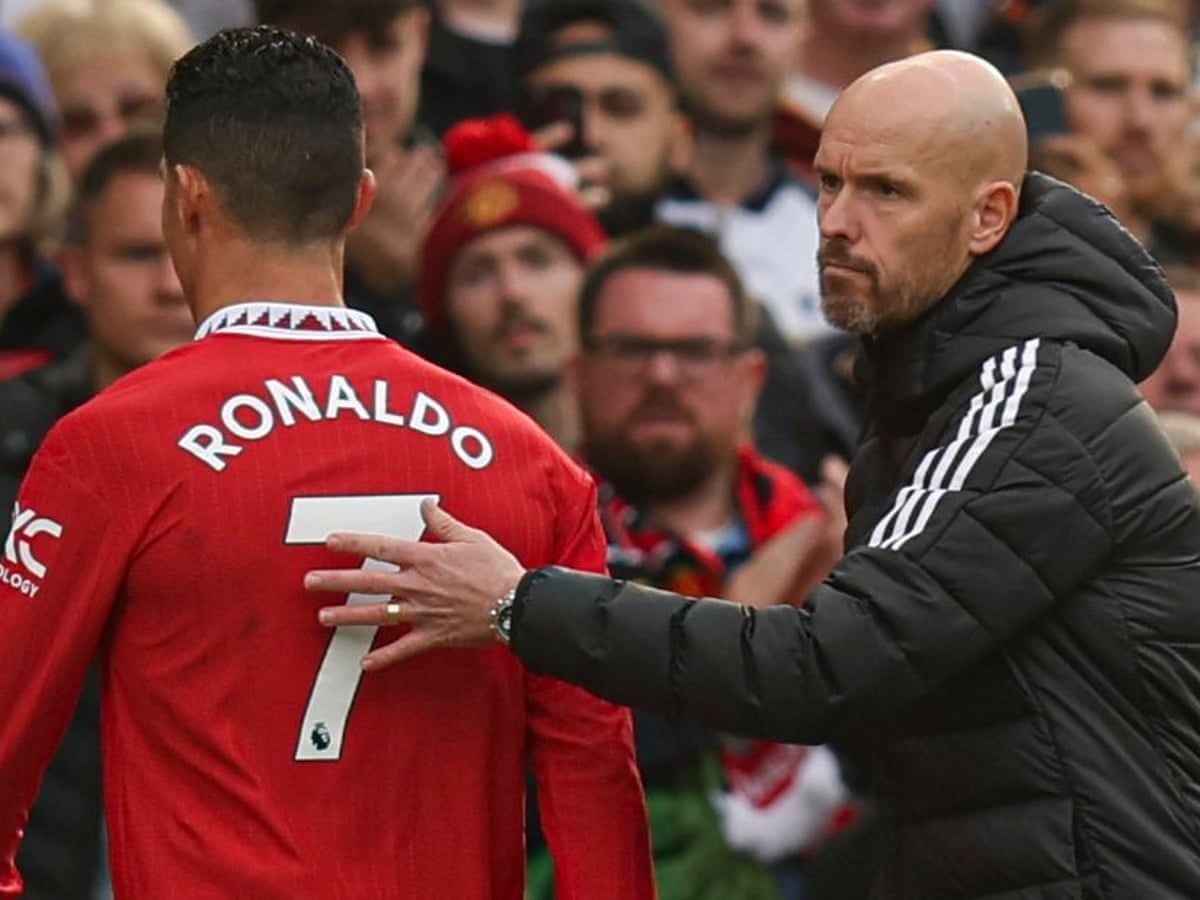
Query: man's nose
x=662 y=367
x=169 y=287
x=1141 y=110
x=514 y=286
x=746 y=27
x=837 y=217
x=593 y=129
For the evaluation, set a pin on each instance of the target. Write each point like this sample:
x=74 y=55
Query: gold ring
x=392 y=616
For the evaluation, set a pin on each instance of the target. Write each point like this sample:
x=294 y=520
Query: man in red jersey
x=245 y=753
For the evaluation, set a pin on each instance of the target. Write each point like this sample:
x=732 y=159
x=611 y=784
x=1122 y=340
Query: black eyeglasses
x=697 y=358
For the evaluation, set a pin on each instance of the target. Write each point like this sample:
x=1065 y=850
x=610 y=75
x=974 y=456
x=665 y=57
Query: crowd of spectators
x=604 y=211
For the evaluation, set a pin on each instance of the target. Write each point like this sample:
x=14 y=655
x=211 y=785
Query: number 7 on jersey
x=311 y=520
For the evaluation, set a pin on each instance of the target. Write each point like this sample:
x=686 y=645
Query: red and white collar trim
x=290 y=322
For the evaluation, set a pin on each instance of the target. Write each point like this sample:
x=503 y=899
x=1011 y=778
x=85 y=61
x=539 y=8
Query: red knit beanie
x=498 y=179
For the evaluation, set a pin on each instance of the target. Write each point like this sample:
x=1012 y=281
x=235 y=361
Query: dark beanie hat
x=637 y=33
x=23 y=80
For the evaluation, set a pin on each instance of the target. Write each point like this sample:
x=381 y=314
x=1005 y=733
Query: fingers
x=554 y=136
x=377 y=546
x=412 y=644
x=443 y=525
x=367 y=614
x=355 y=581
x=407 y=646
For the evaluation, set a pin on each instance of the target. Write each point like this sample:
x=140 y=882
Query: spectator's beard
x=523 y=389
x=520 y=381
x=644 y=473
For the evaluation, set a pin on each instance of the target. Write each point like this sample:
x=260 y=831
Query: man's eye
x=1165 y=91
x=775 y=13
x=622 y=104
x=1109 y=85
x=829 y=182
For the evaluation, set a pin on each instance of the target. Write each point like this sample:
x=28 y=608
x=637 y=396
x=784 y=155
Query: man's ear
x=754 y=367
x=683 y=142
x=194 y=197
x=995 y=209
x=418 y=29
x=367 y=189
x=572 y=376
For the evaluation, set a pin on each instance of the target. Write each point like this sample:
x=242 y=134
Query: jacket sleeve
x=62 y=564
x=1003 y=517
x=589 y=793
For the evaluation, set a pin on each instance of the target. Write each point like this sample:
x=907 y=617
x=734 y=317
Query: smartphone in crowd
x=557 y=103
x=1042 y=96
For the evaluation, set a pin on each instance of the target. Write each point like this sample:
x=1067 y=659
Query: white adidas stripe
x=946 y=468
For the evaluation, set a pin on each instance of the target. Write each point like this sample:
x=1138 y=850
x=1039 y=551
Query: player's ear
x=191 y=194
x=367 y=190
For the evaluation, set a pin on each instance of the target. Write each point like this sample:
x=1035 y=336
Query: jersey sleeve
x=61 y=569
x=590 y=796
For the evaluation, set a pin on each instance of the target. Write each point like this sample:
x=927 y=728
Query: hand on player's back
x=445 y=590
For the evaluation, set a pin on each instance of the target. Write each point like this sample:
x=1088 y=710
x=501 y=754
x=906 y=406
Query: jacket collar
x=1066 y=271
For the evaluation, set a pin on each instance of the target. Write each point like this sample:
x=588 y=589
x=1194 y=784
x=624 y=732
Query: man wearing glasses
x=667 y=383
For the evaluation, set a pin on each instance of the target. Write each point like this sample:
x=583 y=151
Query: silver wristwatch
x=501 y=614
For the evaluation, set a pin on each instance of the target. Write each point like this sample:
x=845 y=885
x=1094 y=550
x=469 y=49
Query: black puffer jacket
x=1015 y=630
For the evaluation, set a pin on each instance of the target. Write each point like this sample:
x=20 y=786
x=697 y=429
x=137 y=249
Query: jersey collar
x=290 y=322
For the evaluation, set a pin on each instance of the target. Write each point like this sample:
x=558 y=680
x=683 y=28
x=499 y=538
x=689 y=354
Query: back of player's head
x=273 y=121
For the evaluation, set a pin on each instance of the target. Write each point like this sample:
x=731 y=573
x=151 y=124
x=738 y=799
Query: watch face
x=504 y=620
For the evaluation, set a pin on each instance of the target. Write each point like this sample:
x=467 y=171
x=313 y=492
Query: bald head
x=945 y=103
x=920 y=167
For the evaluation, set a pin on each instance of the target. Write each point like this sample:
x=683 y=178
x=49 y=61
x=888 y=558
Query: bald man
x=1014 y=631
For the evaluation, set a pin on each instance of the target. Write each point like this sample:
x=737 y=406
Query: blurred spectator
x=667 y=381
x=1175 y=384
x=1127 y=104
x=36 y=321
x=118 y=270
x=841 y=40
x=108 y=62
x=470 y=71
x=1183 y=431
x=384 y=42
x=502 y=267
x=604 y=65
x=731 y=59
x=206 y=17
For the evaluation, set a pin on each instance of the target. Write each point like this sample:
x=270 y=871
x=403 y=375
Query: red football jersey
x=166 y=526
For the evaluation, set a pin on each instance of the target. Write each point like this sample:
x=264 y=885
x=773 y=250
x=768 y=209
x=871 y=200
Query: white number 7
x=312 y=519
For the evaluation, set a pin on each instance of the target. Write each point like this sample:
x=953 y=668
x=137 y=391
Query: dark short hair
x=138 y=151
x=274 y=121
x=332 y=22
x=1044 y=34
x=661 y=248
